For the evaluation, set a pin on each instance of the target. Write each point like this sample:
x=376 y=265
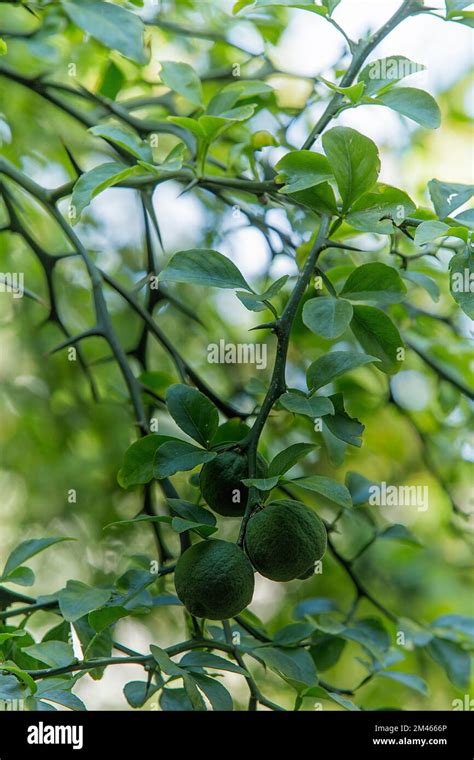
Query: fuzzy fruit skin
x=214 y=580
x=221 y=477
x=284 y=540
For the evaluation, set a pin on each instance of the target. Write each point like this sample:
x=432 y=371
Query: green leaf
x=112 y=81
x=315 y=406
x=115 y=27
x=327 y=651
x=138 y=692
x=378 y=335
x=94 y=645
x=287 y=458
x=22 y=576
x=21 y=675
x=137 y=467
x=189 y=516
x=106 y=616
x=192 y=512
x=462 y=17
x=26 y=550
x=178 y=456
x=428 y=231
x=172 y=163
x=61 y=697
x=11 y=635
x=359 y=487
x=318 y=692
x=197 y=659
x=165 y=662
x=216 y=693
x=457 y=5
x=325 y=369
x=293 y=634
x=448 y=196
x=181 y=78
x=175 y=700
x=407 y=679
x=371 y=633
x=139 y=519
x=56 y=654
x=342 y=426
x=319 y=198
x=385 y=72
x=77 y=599
x=228 y=96
x=460 y=624
x=302 y=169
x=208 y=128
x=254 y=302
x=157 y=381
x=417 y=105
x=125 y=139
x=352 y=93
x=186 y=122
x=422 y=281
x=314 y=606
x=327 y=316
x=382 y=211
x=400 y=533
x=94 y=182
x=251 y=302
x=455 y=661
x=327 y=487
x=304 y=5
x=461 y=281
x=274 y=288
x=295 y=666
x=193 y=412
x=375 y=282
x=466 y=218
x=201 y=266
x=354 y=160
x=193 y=693
x=230 y=432
x=262 y=484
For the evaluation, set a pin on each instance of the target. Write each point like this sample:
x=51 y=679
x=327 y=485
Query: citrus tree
x=244 y=471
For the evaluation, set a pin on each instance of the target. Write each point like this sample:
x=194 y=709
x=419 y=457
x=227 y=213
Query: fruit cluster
x=283 y=540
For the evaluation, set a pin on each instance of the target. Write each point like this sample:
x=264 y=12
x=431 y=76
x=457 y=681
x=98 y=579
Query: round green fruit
x=214 y=579
x=284 y=540
x=221 y=482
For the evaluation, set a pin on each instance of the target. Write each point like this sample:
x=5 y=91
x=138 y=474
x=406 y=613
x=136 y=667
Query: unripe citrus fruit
x=284 y=540
x=221 y=482
x=214 y=580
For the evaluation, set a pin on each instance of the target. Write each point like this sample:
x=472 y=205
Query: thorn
x=192 y=184
x=73 y=161
x=94 y=331
x=265 y=326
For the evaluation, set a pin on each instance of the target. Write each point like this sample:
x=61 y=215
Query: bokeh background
x=54 y=438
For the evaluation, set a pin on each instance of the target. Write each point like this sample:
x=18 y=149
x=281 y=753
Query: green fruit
x=284 y=540
x=214 y=580
x=221 y=482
